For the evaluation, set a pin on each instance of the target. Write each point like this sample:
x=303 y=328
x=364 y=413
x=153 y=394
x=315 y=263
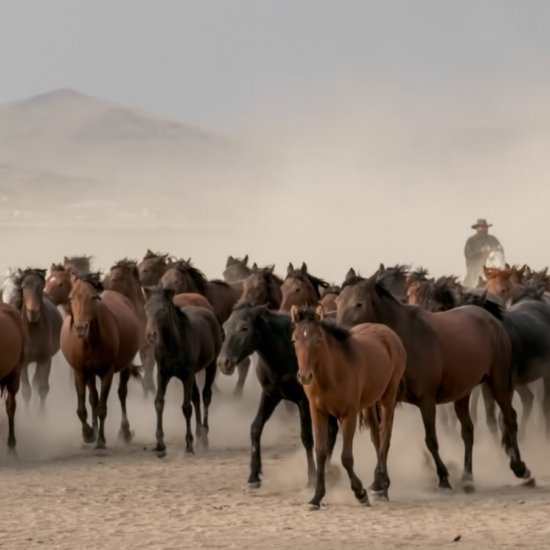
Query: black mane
x=197 y=276
x=316 y=282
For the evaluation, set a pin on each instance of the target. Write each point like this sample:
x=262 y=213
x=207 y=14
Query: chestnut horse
x=152 y=268
x=42 y=325
x=300 y=288
x=58 y=285
x=100 y=336
x=348 y=374
x=12 y=351
x=499 y=281
x=186 y=341
x=123 y=277
x=448 y=354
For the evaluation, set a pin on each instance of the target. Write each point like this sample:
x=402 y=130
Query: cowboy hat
x=481 y=223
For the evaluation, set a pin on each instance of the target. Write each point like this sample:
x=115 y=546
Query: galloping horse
x=12 y=351
x=42 y=325
x=300 y=288
x=123 y=277
x=236 y=269
x=185 y=341
x=448 y=354
x=152 y=268
x=262 y=286
x=100 y=337
x=58 y=286
x=347 y=374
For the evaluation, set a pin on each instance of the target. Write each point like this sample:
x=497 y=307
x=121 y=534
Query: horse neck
x=274 y=341
x=175 y=330
x=386 y=310
x=331 y=363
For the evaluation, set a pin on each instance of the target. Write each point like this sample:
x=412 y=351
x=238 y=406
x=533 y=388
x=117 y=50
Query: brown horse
x=499 y=281
x=42 y=325
x=262 y=286
x=300 y=288
x=448 y=354
x=328 y=298
x=12 y=351
x=192 y=299
x=348 y=374
x=152 y=268
x=78 y=265
x=123 y=277
x=100 y=337
x=58 y=285
x=236 y=269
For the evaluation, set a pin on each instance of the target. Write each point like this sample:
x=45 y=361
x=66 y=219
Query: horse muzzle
x=304 y=378
x=152 y=336
x=81 y=330
x=226 y=365
x=33 y=315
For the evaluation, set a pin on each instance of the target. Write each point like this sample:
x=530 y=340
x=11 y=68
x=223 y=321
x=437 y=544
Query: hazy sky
x=214 y=62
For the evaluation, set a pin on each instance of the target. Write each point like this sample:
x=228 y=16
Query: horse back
x=203 y=339
x=192 y=299
x=223 y=297
x=12 y=340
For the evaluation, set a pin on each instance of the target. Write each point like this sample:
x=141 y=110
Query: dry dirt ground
x=60 y=493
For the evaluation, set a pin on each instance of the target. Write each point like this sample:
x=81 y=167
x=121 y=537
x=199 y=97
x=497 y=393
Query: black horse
x=186 y=341
x=253 y=328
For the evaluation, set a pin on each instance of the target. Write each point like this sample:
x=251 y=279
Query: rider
x=477 y=249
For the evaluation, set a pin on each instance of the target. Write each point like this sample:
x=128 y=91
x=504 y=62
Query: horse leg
x=41 y=380
x=106 y=382
x=88 y=433
x=125 y=433
x=503 y=393
x=527 y=398
x=196 y=399
x=206 y=400
x=162 y=384
x=306 y=436
x=462 y=408
x=93 y=398
x=332 y=435
x=147 y=358
x=546 y=406
x=319 y=421
x=265 y=410
x=427 y=409
x=25 y=385
x=187 y=410
x=490 y=410
x=374 y=428
x=12 y=386
x=474 y=401
x=242 y=369
x=349 y=424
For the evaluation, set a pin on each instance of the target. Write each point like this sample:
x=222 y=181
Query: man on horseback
x=478 y=249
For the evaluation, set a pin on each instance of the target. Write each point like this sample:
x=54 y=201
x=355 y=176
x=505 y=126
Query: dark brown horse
x=12 y=351
x=448 y=354
x=348 y=374
x=300 y=288
x=236 y=269
x=186 y=341
x=42 y=325
x=123 y=277
x=262 y=286
x=152 y=268
x=100 y=337
x=328 y=299
x=78 y=265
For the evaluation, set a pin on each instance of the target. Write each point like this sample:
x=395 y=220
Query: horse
x=42 y=325
x=186 y=341
x=12 y=357
x=152 y=267
x=262 y=286
x=100 y=337
x=348 y=374
x=123 y=277
x=300 y=288
x=58 y=285
x=527 y=323
x=255 y=328
x=192 y=299
x=499 y=281
x=236 y=269
x=395 y=279
x=7 y=288
x=448 y=354
x=328 y=299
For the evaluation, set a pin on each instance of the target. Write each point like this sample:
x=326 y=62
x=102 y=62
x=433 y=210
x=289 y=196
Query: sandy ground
x=60 y=493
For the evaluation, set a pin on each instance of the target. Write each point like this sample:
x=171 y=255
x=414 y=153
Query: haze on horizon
x=387 y=127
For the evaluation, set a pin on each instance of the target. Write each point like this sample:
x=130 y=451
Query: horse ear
x=381 y=267
x=303 y=269
x=229 y=260
x=65 y=260
x=270 y=269
x=254 y=266
x=350 y=274
x=320 y=312
x=245 y=260
x=290 y=268
x=42 y=273
x=294 y=314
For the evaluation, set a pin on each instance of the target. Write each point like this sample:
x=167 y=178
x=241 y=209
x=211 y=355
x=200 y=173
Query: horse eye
x=358 y=305
x=244 y=328
x=297 y=290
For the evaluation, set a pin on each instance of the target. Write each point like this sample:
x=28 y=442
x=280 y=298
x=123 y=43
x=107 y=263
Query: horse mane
x=316 y=282
x=350 y=281
x=80 y=263
x=418 y=275
x=333 y=289
x=150 y=255
x=93 y=279
x=197 y=276
x=384 y=292
x=57 y=267
x=267 y=273
x=308 y=314
x=18 y=279
x=125 y=263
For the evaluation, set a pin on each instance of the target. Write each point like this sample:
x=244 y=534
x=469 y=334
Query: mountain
x=79 y=157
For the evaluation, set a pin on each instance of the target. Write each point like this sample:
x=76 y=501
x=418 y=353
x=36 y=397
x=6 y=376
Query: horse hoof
x=363 y=497
x=161 y=453
x=444 y=485
x=529 y=483
x=189 y=452
x=100 y=445
x=254 y=484
x=312 y=507
x=380 y=495
x=126 y=435
x=89 y=435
